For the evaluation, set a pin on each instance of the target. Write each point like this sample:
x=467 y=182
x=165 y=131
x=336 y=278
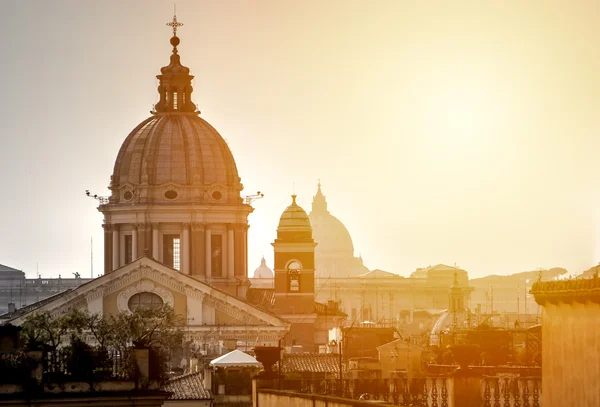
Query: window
x=365 y=314
x=176 y=254
x=216 y=263
x=146 y=300
x=171 y=194
x=294 y=276
x=128 y=249
x=172 y=251
x=174 y=100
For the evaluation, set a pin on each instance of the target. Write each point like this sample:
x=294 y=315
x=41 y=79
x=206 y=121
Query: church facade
x=175 y=228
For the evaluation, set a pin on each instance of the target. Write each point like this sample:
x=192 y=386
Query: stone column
x=134 y=243
x=246 y=248
x=185 y=249
x=115 y=247
x=107 y=248
x=143 y=231
x=155 y=245
x=207 y=251
x=197 y=252
x=230 y=252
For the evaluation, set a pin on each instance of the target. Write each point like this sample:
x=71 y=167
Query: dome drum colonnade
x=175 y=191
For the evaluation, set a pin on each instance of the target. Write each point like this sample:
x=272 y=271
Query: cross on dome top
x=175 y=25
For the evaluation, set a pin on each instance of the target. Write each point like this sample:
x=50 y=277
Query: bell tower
x=294 y=264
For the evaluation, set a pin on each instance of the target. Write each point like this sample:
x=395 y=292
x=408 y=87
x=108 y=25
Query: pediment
x=145 y=274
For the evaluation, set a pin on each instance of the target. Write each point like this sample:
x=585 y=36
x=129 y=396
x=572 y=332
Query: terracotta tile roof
x=263 y=298
x=310 y=363
x=188 y=387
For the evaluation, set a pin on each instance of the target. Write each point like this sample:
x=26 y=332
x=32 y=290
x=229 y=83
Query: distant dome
x=294 y=219
x=263 y=271
x=328 y=231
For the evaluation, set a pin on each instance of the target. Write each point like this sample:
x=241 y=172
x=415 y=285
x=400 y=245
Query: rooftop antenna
x=92 y=257
x=248 y=199
x=102 y=199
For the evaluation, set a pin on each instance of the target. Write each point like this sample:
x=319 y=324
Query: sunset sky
x=442 y=131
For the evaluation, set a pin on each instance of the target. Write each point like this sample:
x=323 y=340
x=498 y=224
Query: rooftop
x=188 y=387
x=567 y=291
x=310 y=363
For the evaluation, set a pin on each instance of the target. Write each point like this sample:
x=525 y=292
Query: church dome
x=175 y=154
x=263 y=271
x=181 y=151
x=328 y=231
x=294 y=219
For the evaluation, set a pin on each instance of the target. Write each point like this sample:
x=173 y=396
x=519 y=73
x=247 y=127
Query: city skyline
x=461 y=172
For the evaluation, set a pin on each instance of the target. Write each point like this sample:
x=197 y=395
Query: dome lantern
x=175 y=82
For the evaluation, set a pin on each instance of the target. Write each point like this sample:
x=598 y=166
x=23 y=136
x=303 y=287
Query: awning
x=235 y=358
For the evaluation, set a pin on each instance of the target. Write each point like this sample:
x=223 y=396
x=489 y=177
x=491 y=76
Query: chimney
x=11 y=307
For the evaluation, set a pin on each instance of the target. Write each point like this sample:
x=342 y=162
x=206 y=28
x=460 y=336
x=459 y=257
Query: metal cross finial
x=175 y=24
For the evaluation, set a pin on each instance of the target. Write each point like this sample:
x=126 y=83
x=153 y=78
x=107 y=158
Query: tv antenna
x=248 y=199
x=102 y=199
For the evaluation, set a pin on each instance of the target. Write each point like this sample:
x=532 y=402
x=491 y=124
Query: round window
x=127 y=195
x=171 y=194
x=144 y=300
x=217 y=195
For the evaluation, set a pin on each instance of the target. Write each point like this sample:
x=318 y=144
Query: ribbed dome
x=294 y=219
x=263 y=271
x=180 y=149
x=175 y=155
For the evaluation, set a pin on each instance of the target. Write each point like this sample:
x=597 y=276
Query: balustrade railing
x=432 y=391
x=511 y=392
x=103 y=365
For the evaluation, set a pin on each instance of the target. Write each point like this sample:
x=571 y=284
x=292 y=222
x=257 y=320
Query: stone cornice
x=567 y=291
x=198 y=226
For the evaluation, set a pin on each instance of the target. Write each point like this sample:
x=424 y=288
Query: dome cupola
x=176 y=192
x=175 y=156
x=294 y=224
x=175 y=82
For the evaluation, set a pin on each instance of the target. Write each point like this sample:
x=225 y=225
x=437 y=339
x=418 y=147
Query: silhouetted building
x=293 y=295
x=16 y=291
x=334 y=255
x=509 y=294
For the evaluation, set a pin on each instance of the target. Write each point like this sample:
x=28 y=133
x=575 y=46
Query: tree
x=157 y=329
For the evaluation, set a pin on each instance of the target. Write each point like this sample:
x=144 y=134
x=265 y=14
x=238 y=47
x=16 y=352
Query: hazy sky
x=442 y=131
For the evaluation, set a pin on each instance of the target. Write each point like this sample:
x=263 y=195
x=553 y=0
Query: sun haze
x=442 y=132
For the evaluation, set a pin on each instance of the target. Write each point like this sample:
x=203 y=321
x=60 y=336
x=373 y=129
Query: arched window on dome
x=174 y=100
x=293 y=272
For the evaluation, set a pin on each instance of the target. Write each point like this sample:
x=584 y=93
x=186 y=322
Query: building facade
x=175 y=229
x=571 y=341
x=17 y=291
